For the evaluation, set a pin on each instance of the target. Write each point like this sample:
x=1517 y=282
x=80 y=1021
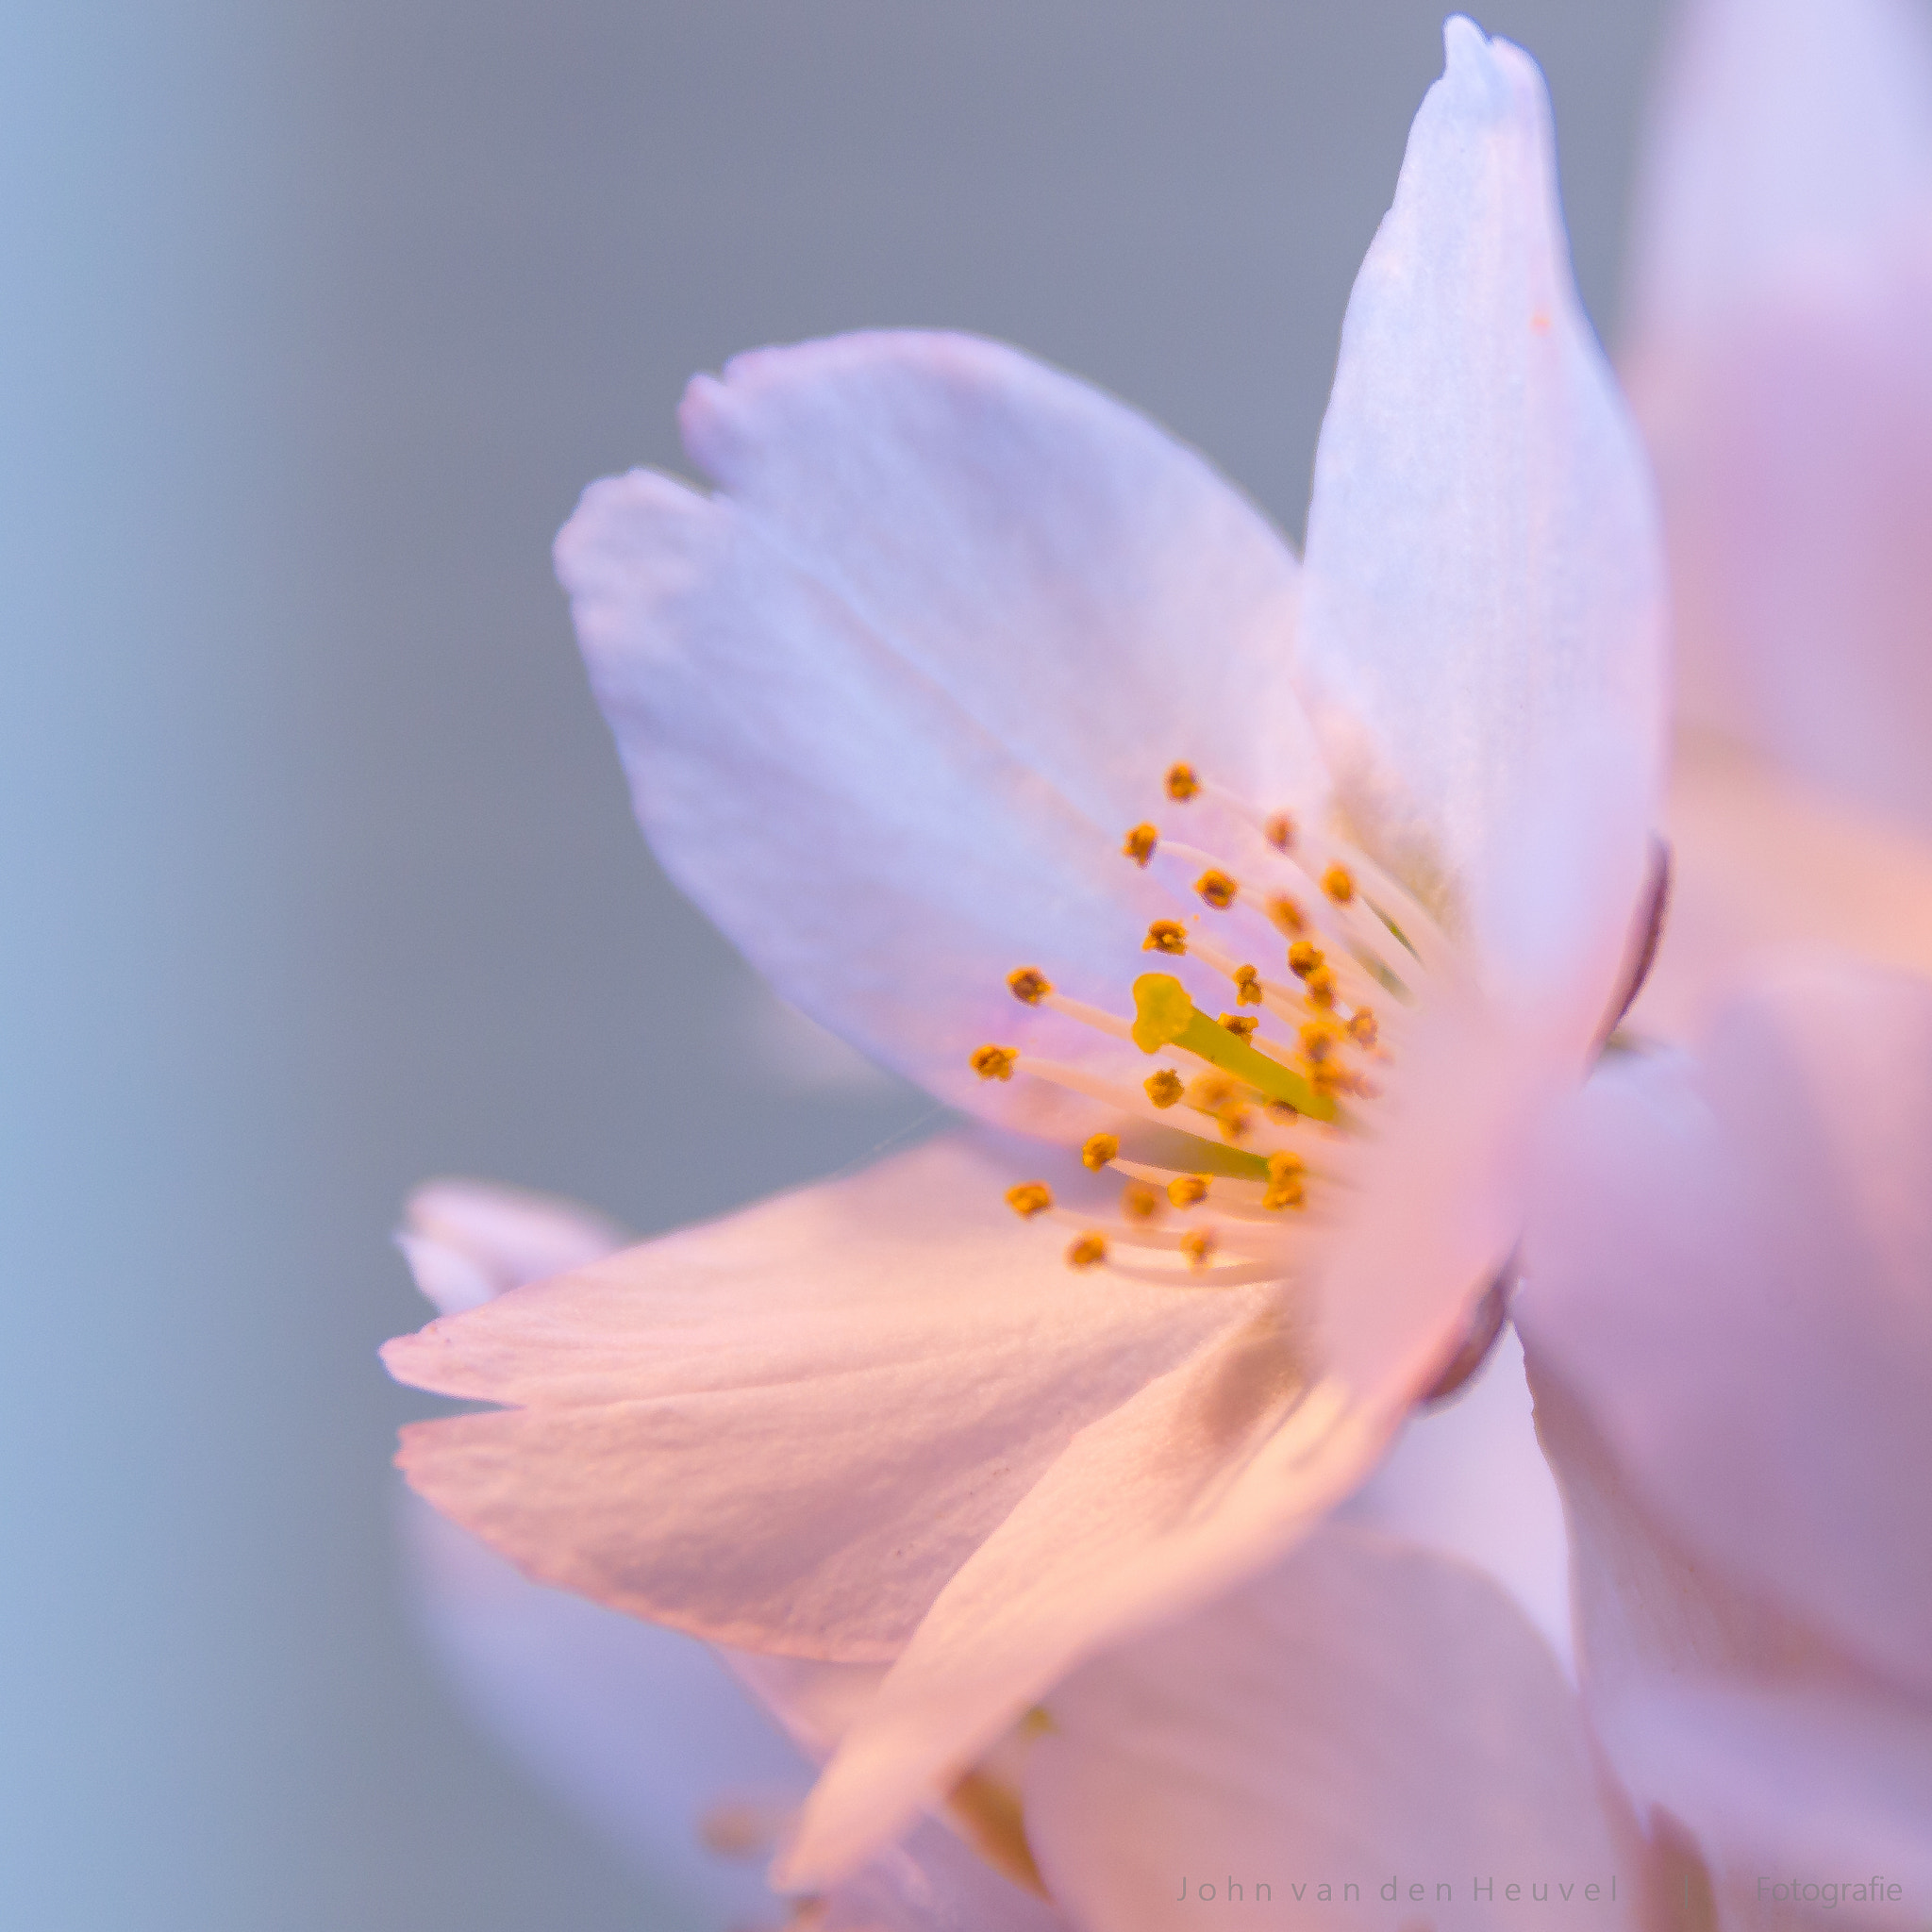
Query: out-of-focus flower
x=1363 y=1710
x=889 y=703
x=1727 y=1314
x=1780 y=362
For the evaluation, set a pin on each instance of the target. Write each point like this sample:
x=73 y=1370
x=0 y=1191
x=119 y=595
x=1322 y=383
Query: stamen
x=1247 y=986
x=1304 y=957
x=1188 y=1189
x=1286 y=1188
x=1029 y=984
x=1287 y=914
x=1182 y=783
x=1088 y=1252
x=1164 y=1088
x=994 y=1063
x=1165 y=936
x=1140 y=1202
x=1099 y=1150
x=1338 y=885
x=1321 y=986
x=1278 y=829
x=1198 y=1244
x=1140 y=845
x=1320 y=1038
x=1361 y=1026
x=1240 y=1025
x=1217 y=888
x=1029 y=1198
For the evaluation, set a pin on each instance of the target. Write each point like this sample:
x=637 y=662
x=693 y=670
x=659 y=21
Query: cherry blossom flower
x=897 y=703
x=1284 y=1734
x=1727 y=1313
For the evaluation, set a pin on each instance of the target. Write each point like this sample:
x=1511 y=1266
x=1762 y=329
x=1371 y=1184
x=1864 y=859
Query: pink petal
x=893 y=753
x=1775 y=1752
x=1483 y=577
x=1727 y=1268
x=1759 y=861
x=1365 y=1714
x=1468 y=1480
x=786 y=1430
x=468 y=1242
x=1780 y=125
x=1784 y=301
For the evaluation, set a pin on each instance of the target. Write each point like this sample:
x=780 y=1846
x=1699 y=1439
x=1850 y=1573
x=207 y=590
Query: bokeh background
x=319 y=876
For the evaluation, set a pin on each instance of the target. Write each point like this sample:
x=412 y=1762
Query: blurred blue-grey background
x=318 y=872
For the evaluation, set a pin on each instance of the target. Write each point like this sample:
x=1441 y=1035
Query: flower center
x=1236 y=1153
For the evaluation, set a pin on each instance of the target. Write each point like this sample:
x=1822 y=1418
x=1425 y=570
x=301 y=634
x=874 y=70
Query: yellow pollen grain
x=1303 y=958
x=1088 y=1252
x=1188 y=1189
x=1029 y=1198
x=1361 y=1027
x=1139 y=1202
x=1140 y=845
x=1099 y=1150
x=1320 y=1038
x=1164 y=1088
x=1181 y=782
x=1287 y=914
x=1285 y=1165
x=1280 y=831
x=1217 y=888
x=1240 y=1025
x=1247 y=987
x=1338 y=885
x=994 y=1063
x=1197 y=1244
x=1320 y=985
x=1285 y=1193
x=1028 y=985
x=1165 y=936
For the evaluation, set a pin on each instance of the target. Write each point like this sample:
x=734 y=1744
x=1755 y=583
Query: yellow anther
x=1029 y=1198
x=1320 y=1038
x=1141 y=843
x=1218 y=888
x=1320 y=986
x=1281 y=1113
x=1029 y=984
x=1236 y=1122
x=1162 y=1010
x=1213 y=1092
x=1362 y=1028
x=1164 y=1088
x=1303 y=958
x=1240 y=1025
x=1329 y=1076
x=1099 y=1150
x=1287 y=914
x=1181 y=782
x=1197 y=1244
x=1165 y=936
x=994 y=1063
x=1247 y=987
x=1186 y=1189
x=1287 y=1193
x=1139 y=1202
x=1088 y=1252
x=1338 y=885
x=1285 y=1165
x=1280 y=831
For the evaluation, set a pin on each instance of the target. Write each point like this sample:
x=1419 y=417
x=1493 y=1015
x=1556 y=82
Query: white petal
x=469 y=1241
x=1367 y=1714
x=1086 y=589
x=1483 y=579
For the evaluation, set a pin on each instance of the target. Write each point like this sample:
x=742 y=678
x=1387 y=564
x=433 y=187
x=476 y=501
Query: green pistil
x=1165 y=1016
